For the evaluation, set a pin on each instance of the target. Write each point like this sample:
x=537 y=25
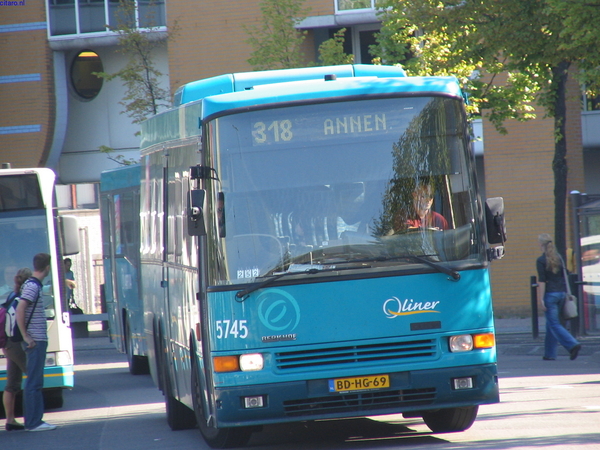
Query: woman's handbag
x=570 y=307
x=569 y=310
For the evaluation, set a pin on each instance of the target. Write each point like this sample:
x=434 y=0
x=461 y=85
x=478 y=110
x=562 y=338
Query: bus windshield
x=23 y=231
x=375 y=184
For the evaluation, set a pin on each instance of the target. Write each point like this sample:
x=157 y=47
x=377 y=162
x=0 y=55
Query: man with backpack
x=31 y=320
x=15 y=358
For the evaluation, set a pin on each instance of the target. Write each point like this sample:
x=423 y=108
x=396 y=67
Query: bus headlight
x=234 y=363
x=58 y=359
x=50 y=359
x=461 y=343
x=251 y=362
x=468 y=342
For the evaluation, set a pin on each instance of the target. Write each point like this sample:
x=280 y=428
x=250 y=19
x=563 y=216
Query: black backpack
x=4 y=318
x=9 y=329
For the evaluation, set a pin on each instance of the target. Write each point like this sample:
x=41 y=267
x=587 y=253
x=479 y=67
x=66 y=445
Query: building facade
x=57 y=114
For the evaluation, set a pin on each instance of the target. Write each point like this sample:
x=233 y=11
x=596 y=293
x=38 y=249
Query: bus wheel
x=215 y=437
x=53 y=398
x=451 y=419
x=159 y=357
x=179 y=416
x=138 y=365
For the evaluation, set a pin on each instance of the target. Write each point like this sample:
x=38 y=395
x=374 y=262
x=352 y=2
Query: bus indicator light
x=486 y=340
x=226 y=363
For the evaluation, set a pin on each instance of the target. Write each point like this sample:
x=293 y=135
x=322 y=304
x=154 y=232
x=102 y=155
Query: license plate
x=359 y=383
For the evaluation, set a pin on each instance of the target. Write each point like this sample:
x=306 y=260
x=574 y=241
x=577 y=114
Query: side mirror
x=195 y=212
x=69 y=229
x=221 y=214
x=496 y=227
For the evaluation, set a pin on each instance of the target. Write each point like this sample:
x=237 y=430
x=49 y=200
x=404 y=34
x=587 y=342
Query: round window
x=85 y=83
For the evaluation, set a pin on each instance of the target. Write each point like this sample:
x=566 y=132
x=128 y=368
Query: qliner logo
x=394 y=307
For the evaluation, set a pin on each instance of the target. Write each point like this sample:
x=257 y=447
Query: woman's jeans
x=555 y=332
x=33 y=398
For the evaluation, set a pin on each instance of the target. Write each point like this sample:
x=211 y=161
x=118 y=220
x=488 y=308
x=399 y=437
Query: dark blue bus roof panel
x=290 y=92
x=236 y=82
x=120 y=178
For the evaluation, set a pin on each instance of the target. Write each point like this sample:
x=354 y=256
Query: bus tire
x=159 y=356
x=53 y=398
x=450 y=420
x=138 y=365
x=179 y=416
x=215 y=437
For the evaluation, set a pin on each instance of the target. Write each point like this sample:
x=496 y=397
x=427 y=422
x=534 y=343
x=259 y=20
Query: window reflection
x=348 y=5
x=380 y=181
x=89 y=16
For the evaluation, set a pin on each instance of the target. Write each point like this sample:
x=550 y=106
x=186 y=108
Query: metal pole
x=576 y=199
x=534 y=308
x=574 y=322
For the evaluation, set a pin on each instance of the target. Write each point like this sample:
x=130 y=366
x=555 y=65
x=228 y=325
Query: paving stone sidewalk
x=515 y=336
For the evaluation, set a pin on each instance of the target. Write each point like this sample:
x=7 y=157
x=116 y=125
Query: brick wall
x=209 y=38
x=518 y=167
x=24 y=52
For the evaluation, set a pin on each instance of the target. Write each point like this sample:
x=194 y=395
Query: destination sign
x=287 y=130
x=341 y=120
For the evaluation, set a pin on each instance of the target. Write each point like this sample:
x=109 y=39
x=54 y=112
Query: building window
x=349 y=5
x=100 y=16
x=77 y=196
x=591 y=102
x=86 y=84
x=358 y=40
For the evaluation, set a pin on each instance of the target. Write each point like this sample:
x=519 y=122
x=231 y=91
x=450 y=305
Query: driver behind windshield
x=420 y=215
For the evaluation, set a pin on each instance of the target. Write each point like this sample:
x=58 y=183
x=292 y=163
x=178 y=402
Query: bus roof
x=236 y=82
x=212 y=96
x=316 y=89
x=120 y=177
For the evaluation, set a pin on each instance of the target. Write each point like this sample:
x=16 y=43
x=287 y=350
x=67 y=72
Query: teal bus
x=120 y=219
x=30 y=224
x=314 y=246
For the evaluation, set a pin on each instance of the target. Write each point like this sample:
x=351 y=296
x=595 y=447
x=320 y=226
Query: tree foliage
x=331 y=51
x=276 y=42
x=144 y=96
x=508 y=55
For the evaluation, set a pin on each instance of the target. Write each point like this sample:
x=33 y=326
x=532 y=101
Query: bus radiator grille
x=357 y=354
x=360 y=402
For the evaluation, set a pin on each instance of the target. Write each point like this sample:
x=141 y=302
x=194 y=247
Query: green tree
x=276 y=42
x=533 y=43
x=331 y=51
x=144 y=97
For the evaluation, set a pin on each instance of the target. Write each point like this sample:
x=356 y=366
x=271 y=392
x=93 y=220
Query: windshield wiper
x=250 y=289
x=451 y=273
x=243 y=294
x=439 y=267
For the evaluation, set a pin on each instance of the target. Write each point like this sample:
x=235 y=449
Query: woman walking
x=552 y=292
x=15 y=362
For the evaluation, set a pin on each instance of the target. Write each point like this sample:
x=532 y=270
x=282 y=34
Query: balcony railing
x=77 y=17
